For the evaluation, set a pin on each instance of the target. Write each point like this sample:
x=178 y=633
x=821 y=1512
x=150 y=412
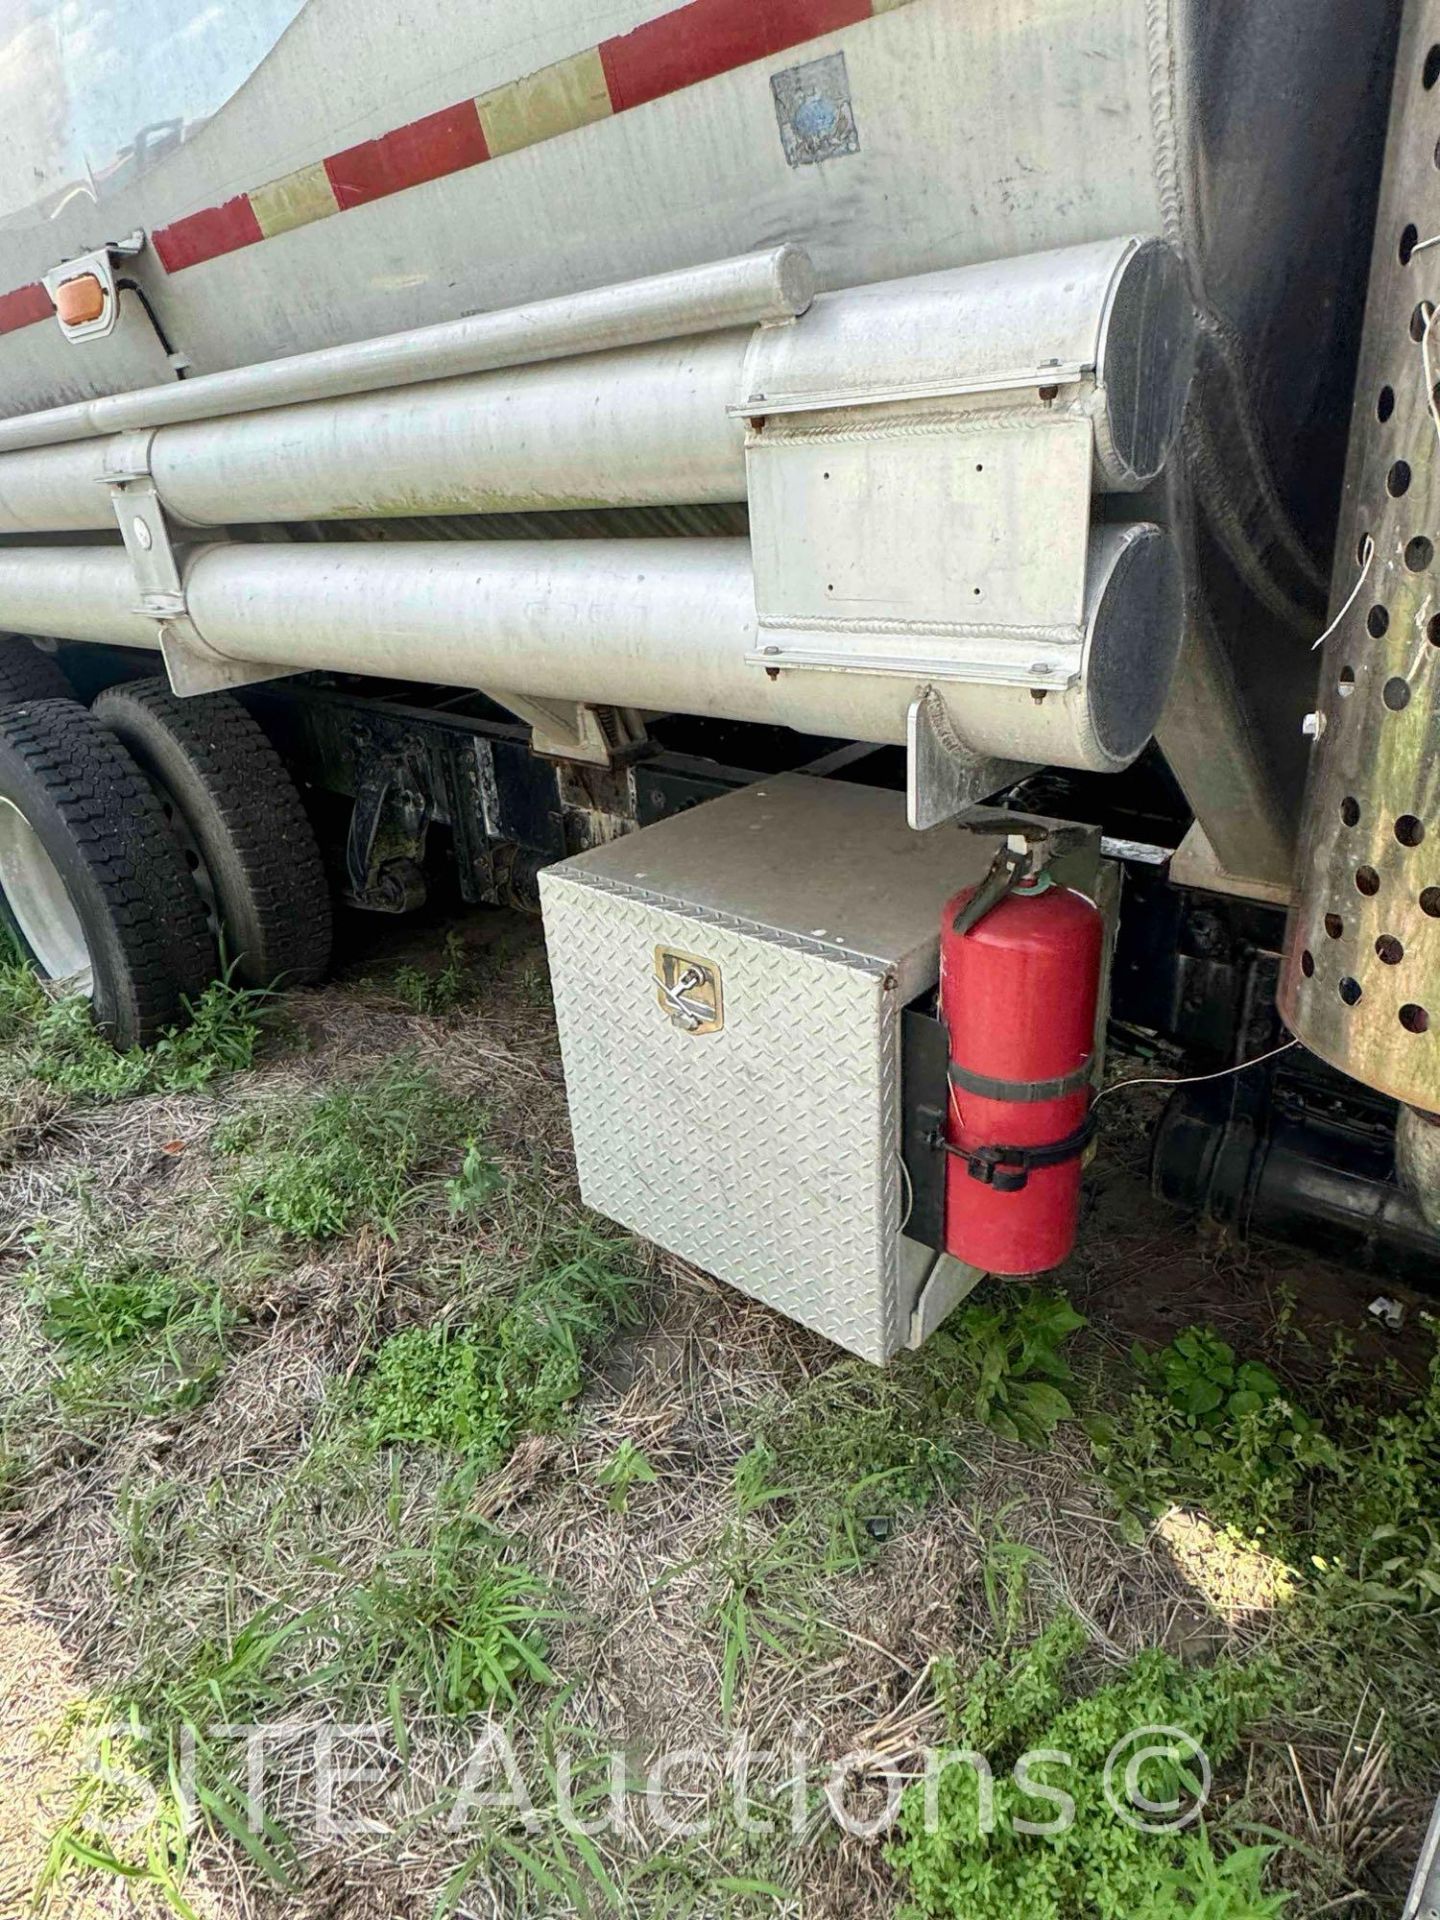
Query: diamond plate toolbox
x=728 y=986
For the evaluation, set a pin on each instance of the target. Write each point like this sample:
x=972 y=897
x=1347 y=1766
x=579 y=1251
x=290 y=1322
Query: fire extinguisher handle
x=1007 y=869
x=1029 y=846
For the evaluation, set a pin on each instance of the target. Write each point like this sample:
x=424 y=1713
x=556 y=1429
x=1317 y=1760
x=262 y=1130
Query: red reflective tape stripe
x=693 y=43
x=689 y=44
x=441 y=143
x=710 y=37
x=24 y=307
x=207 y=234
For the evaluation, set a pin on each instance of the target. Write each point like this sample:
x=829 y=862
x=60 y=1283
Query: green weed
x=541 y=1860
x=453 y=1624
x=118 y=1823
x=1010 y=1365
x=235 y=1677
x=136 y=1337
x=1345 y=1502
x=22 y=998
x=476 y=1184
x=432 y=1386
x=165 y=1382
x=515 y=1368
x=1207 y=1429
x=867 y=1436
x=857 y=1442
x=441 y=991
x=349 y=1158
x=766 y=1571
x=225 y=1029
x=56 y=1041
x=1098 y=1866
x=1204 y=1888
x=1200 y=1375
x=94 y=1313
x=627 y=1467
x=244 y=1677
x=1004 y=1573
x=532 y=983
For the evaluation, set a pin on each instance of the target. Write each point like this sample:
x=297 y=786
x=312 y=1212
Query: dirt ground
x=129 y=1537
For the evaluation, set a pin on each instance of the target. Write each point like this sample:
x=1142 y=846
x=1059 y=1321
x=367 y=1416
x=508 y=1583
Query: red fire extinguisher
x=1019 y=989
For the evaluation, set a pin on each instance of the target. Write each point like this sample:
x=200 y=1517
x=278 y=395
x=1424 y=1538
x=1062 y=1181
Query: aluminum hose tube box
x=729 y=986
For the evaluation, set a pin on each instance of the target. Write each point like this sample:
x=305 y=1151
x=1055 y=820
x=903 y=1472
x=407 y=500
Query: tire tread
x=28 y=674
x=116 y=823
x=260 y=812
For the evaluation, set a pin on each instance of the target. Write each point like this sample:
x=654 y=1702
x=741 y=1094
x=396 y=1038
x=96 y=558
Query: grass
x=457 y=1624
x=438 y=991
x=444 y=1618
x=118 y=1824
x=422 y=1489
x=862 y=1446
x=1343 y=1497
x=765 y=1579
x=348 y=1158
x=517 y=1365
x=94 y=1311
x=451 y=1623
x=135 y=1335
x=55 y=1041
x=627 y=1467
x=475 y=1185
x=549 y=1858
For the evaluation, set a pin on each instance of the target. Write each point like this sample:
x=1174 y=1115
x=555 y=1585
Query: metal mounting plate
x=942 y=775
x=192 y=664
x=952 y=544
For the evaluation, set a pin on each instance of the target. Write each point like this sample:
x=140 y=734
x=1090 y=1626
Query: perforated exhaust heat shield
x=1361 y=983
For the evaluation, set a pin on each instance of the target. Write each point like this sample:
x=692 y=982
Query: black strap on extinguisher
x=1023 y=1092
x=1008 y=1169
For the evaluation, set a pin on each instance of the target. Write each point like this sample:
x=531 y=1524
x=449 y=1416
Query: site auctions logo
x=339 y=1780
x=1183 y=1758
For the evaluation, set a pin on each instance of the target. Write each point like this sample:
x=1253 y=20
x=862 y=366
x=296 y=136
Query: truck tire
x=241 y=822
x=93 y=881
x=28 y=674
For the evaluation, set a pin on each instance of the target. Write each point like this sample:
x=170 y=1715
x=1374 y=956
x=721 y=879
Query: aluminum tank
x=307 y=174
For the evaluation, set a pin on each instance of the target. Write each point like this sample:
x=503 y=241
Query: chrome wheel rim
x=41 y=906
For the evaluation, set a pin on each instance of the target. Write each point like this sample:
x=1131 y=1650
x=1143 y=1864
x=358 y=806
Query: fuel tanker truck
x=905 y=527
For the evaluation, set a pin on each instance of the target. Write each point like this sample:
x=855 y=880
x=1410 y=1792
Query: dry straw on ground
x=134 y=1537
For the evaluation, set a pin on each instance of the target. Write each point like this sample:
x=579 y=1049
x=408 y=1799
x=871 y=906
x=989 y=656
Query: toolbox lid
x=824 y=862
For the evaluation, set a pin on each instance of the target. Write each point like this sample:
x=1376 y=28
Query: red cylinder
x=1018 y=993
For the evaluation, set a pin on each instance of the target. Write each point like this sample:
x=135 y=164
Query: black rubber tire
x=240 y=807
x=100 y=823
x=28 y=674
